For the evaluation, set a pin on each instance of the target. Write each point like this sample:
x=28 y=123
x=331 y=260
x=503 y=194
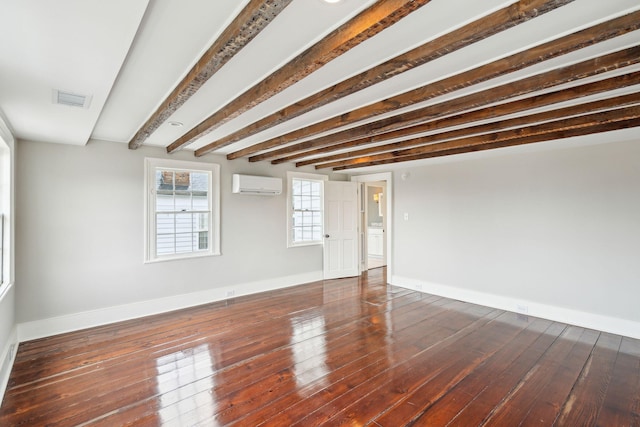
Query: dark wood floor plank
x=590 y=389
x=448 y=395
x=231 y=381
x=372 y=380
x=351 y=363
x=549 y=402
x=350 y=351
x=400 y=344
x=621 y=406
x=152 y=391
x=483 y=402
x=440 y=371
x=572 y=346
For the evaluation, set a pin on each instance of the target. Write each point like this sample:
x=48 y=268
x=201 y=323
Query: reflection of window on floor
x=309 y=348
x=185 y=381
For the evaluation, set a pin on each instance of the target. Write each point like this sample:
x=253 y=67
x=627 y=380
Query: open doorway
x=384 y=180
x=375 y=224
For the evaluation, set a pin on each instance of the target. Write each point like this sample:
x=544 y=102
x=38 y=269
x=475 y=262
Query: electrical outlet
x=231 y=293
x=11 y=350
x=521 y=308
x=419 y=286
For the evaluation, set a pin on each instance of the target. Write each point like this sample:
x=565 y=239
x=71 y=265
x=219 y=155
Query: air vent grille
x=71 y=99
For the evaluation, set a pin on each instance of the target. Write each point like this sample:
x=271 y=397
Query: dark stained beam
x=565 y=128
x=473 y=32
x=608 y=127
x=588 y=68
x=255 y=16
x=501 y=67
x=496 y=111
x=365 y=25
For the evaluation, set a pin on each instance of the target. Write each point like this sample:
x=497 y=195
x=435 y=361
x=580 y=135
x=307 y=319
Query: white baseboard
x=598 y=322
x=87 y=319
x=7 y=358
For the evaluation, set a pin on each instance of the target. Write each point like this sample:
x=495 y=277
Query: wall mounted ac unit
x=258 y=185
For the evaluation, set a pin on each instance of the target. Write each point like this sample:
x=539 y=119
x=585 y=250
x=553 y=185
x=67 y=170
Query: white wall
x=80 y=238
x=555 y=233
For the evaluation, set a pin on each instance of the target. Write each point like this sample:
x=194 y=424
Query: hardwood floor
x=342 y=352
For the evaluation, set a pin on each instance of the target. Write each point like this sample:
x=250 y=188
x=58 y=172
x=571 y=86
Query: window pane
x=164 y=202
x=165 y=244
x=200 y=202
x=306 y=217
x=164 y=180
x=297 y=202
x=184 y=242
x=181 y=207
x=165 y=224
x=183 y=201
x=184 y=223
x=199 y=181
x=315 y=188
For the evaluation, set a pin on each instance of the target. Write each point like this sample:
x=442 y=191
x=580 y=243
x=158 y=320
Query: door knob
x=326 y=236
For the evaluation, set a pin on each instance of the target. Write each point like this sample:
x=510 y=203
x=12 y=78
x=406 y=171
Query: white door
x=340 y=229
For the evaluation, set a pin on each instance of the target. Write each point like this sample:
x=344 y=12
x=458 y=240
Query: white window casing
x=305 y=208
x=182 y=209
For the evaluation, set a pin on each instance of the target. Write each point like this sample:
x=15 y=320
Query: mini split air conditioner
x=257 y=185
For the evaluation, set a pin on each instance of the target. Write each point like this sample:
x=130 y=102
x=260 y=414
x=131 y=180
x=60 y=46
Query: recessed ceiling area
x=130 y=57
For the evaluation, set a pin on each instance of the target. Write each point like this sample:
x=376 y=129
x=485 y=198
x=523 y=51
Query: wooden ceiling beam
x=473 y=32
x=501 y=67
x=418 y=117
x=485 y=130
x=558 y=129
x=365 y=25
x=473 y=101
x=255 y=16
x=597 y=128
x=491 y=112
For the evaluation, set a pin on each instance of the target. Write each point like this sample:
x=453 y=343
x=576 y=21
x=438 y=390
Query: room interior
x=497 y=140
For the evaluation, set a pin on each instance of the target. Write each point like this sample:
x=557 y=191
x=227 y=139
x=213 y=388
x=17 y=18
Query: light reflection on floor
x=184 y=382
x=309 y=348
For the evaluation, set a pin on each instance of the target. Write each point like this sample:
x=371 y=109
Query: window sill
x=302 y=245
x=181 y=257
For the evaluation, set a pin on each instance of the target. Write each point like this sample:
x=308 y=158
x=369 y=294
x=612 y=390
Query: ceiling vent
x=71 y=99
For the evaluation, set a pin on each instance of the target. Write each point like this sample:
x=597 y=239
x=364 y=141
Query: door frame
x=388 y=177
x=365 y=198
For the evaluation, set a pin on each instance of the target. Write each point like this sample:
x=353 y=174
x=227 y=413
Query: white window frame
x=213 y=170
x=7 y=209
x=310 y=177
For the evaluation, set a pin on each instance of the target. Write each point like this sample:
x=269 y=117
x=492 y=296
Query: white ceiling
x=129 y=55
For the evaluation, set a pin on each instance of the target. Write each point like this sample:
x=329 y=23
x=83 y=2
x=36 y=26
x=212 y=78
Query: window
x=182 y=208
x=6 y=207
x=304 y=208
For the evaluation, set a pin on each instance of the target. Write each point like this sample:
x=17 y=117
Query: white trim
x=87 y=319
x=308 y=176
x=598 y=322
x=388 y=177
x=7 y=357
x=4 y=289
x=213 y=170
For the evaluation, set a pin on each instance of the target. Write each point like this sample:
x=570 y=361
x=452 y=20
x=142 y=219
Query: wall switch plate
x=406 y=216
